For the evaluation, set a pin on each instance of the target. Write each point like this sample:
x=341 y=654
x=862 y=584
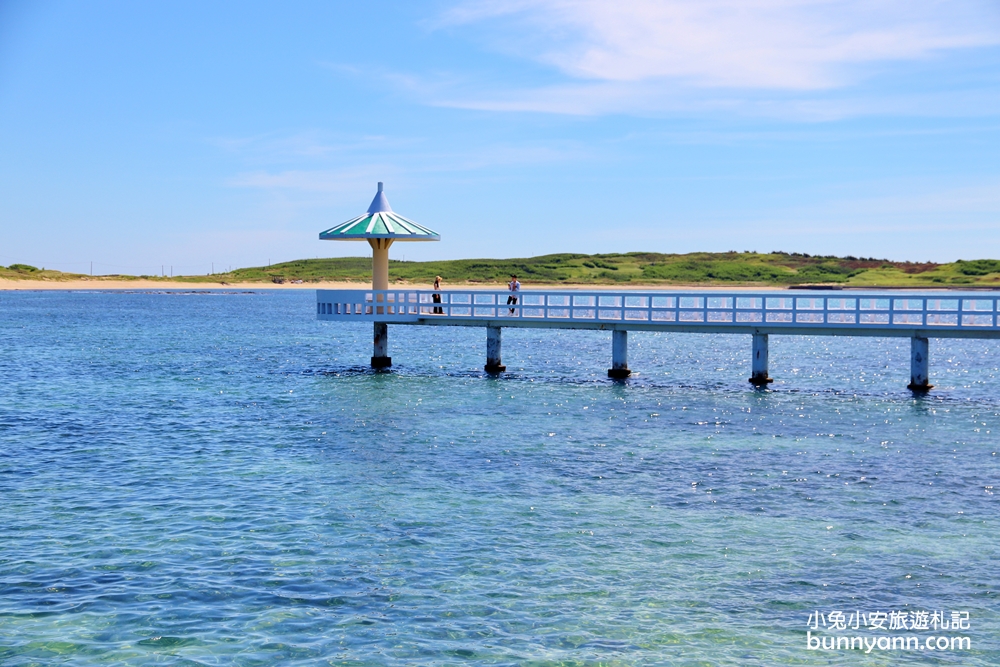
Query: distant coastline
x=144 y=285
x=139 y=285
x=730 y=270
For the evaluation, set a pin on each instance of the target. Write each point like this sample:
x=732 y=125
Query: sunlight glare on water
x=210 y=479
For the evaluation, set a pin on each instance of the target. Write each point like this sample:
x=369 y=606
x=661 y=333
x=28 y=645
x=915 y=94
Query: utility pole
x=91 y=269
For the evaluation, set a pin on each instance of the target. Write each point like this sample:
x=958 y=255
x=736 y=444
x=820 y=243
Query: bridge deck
x=925 y=315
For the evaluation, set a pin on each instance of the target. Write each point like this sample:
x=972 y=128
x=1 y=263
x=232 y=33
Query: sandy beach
x=147 y=285
x=159 y=285
x=156 y=285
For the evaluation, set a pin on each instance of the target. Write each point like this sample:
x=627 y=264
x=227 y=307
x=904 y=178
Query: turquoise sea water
x=216 y=479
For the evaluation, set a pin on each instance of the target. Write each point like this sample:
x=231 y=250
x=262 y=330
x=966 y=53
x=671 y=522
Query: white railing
x=671 y=309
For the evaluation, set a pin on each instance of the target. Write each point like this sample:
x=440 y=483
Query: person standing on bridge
x=514 y=287
x=436 y=297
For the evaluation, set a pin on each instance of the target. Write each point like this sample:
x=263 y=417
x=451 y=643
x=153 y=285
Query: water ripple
x=209 y=481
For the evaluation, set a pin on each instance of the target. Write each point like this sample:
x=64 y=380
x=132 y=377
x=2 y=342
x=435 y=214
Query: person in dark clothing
x=438 y=310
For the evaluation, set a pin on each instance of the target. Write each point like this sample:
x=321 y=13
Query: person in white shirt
x=514 y=287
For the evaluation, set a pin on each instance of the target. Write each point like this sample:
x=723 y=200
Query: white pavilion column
x=619 y=355
x=919 y=364
x=758 y=361
x=380 y=268
x=380 y=263
x=494 y=339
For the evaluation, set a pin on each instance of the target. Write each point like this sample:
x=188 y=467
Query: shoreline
x=173 y=285
x=146 y=285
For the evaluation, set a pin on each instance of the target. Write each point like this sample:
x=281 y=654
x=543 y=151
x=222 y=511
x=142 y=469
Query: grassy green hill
x=777 y=269
x=28 y=272
x=732 y=268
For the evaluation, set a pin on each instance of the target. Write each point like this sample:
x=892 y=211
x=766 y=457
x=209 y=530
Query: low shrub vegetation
x=776 y=269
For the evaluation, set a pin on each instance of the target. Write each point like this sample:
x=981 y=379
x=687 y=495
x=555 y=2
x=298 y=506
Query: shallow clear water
x=218 y=479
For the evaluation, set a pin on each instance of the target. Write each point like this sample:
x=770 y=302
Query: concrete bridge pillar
x=919 y=364
x=380 y=352
x=619 y=355
x=758 y=362
x=493 y=350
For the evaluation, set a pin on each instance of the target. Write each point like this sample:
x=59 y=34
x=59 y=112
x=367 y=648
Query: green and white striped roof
x=379 y=222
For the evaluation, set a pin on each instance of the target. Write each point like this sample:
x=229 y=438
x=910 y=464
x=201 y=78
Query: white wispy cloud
x=413 y=164
x=311 y=144
x=678 y=54
x=783 y=44
x=316 y=180
x=657 y=97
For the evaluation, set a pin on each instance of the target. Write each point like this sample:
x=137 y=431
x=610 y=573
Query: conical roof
x=379 y=222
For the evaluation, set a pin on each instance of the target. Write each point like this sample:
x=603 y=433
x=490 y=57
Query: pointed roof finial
x=380 y=204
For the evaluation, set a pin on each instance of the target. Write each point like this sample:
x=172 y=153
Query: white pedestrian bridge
x=918 y=316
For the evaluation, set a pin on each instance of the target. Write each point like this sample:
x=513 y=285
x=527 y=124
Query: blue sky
x=140 y=135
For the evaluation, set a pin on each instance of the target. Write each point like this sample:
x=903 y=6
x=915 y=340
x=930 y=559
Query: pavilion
x=381 y=227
